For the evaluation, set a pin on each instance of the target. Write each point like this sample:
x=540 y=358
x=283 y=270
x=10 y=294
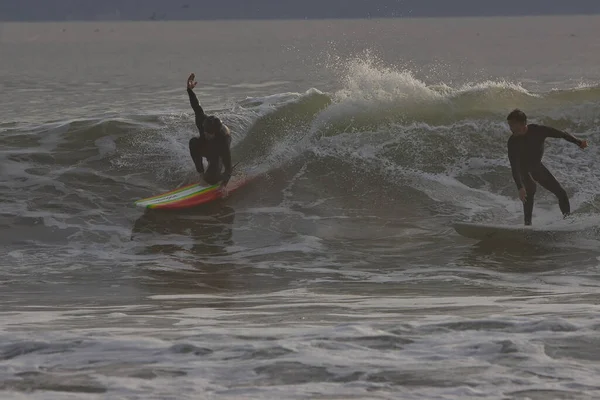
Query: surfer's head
x=517 y=120
x=212 y=126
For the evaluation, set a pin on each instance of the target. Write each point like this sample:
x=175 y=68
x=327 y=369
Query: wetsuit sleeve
x=513 y=157
x=226 y=158
x=555 y=133
x=200 y=115
x=226 y=155
x=195 y=103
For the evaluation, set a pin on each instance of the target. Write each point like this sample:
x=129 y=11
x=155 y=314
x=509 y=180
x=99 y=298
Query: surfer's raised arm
x=200 y=115
x=191 y=84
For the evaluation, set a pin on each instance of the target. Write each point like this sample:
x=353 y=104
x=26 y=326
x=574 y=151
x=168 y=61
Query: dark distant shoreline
x=267 y=10
x=230 y=19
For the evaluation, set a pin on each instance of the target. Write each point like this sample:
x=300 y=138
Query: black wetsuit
x=525 y=153
x=216 y=150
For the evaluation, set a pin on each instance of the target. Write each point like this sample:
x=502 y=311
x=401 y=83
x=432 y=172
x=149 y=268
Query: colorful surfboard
x=191 y=195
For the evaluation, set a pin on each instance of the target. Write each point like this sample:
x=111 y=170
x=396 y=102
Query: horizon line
x=304 y=18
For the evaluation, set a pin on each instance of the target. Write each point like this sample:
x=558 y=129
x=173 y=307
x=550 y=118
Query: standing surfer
x=525 y=152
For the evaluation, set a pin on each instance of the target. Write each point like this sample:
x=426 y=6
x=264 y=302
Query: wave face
x=384 y=129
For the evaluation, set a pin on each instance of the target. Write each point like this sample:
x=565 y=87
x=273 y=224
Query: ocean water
x=336 y=274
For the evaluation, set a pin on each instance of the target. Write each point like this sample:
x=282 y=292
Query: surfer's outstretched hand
x=190 y=81
x=583 y=144
x=523 y=194
x=223 y=189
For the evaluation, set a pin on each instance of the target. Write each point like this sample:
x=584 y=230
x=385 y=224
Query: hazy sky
x=219 y=9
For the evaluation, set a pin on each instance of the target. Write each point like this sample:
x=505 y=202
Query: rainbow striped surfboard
x=191 y=195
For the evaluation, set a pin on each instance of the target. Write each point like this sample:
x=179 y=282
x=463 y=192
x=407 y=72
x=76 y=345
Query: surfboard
x=192 y=195
x=486 y=231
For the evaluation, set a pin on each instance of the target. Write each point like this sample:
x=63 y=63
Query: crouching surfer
x=214 y=143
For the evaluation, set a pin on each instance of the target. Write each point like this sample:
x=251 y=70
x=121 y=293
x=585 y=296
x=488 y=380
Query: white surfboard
x=487 y=231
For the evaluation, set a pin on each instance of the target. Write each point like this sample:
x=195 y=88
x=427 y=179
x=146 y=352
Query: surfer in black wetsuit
x=525 y=151
x=214 y=142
